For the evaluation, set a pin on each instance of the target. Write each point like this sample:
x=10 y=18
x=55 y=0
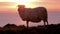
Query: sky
x=12 y=4
x=9 y=13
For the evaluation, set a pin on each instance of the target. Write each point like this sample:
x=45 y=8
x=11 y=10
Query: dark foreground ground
x=13 y=29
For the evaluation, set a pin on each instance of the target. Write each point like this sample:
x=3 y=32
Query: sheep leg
x=27 y=23
x=47 y=22
x=44 y=23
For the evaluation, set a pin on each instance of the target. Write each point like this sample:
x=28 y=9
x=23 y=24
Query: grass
x=13 y=29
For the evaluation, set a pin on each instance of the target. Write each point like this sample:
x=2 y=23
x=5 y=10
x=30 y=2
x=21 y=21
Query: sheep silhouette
x=33 y=14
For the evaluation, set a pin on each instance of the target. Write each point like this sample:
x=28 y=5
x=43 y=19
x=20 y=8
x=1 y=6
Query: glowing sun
x=27 y=3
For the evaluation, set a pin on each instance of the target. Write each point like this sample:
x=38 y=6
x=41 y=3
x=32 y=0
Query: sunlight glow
x=27 y=3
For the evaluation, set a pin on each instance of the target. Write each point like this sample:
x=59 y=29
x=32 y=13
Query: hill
x=13 y=29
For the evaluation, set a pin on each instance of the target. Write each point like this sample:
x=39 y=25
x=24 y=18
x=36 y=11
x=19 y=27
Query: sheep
x=34 y=15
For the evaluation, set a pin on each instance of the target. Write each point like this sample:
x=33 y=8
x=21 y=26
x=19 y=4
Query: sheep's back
x=37 y=14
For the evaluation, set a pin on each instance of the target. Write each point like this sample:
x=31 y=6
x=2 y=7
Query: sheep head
x=21 y=7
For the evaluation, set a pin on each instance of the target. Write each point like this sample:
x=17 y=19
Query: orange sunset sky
x=11 y=5
x=9 y=13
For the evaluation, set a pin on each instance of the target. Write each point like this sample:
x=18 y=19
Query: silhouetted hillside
x=13 y=29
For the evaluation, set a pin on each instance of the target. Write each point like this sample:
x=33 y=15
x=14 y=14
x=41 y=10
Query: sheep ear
x=21 y=5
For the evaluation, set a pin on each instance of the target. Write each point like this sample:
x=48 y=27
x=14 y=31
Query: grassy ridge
x=13 y=29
